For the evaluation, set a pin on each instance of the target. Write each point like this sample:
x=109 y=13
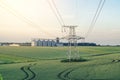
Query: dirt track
x=29 y=73
x=64 y=75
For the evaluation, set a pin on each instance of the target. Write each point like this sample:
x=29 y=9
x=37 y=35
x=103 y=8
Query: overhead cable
x=58 y=12
x=22 y=17
x=97 y=14
x=54 y=12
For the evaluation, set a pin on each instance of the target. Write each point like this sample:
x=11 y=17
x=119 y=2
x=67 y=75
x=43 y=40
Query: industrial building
x=45 y=42
x=56 y=42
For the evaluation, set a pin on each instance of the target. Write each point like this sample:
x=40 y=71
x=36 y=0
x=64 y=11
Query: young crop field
x=44 y=63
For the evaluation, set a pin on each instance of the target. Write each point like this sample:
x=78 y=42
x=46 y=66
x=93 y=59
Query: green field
x=43 y=63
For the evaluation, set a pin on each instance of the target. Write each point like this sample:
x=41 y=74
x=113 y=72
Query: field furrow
x=26 y=73
x=64 y=75
x=29 y=73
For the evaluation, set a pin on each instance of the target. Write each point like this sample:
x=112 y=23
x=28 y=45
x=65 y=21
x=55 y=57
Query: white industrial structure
x=45 y=42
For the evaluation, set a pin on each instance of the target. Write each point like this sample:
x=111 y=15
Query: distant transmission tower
x=72 y=39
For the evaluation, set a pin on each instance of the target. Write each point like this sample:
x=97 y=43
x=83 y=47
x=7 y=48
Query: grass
x=44 y=63
x=1 y=77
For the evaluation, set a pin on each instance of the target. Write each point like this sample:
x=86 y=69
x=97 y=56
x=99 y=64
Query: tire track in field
x=29 y=73
x=60 y=75
x=64 y=75
x=33 y=73
x=104 y=54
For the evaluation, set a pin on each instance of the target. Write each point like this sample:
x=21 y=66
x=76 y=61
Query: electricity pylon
x=72 y=39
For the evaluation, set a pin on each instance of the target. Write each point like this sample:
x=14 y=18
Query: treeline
x=63 y=44
x=81 y=44
x=20 y=44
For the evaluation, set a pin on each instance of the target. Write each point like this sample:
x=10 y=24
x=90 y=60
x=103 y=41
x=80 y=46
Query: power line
x=77 y=11
x=54 y=12
x=100 y=11
x=20 y=16
x=58 y=12
x=94 y=20
x=60 y=16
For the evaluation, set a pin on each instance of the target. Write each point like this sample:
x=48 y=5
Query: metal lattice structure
x=72 y=39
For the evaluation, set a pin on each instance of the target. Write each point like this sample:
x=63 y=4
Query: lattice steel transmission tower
x=72 y=39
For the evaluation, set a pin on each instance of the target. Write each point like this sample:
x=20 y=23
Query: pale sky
x=21 y=20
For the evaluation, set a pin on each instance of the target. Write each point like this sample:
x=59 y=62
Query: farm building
x=56 y=42
x=45 y=42
x=14 y=44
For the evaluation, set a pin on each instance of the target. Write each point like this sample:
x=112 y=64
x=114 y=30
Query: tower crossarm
x=72 y=37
